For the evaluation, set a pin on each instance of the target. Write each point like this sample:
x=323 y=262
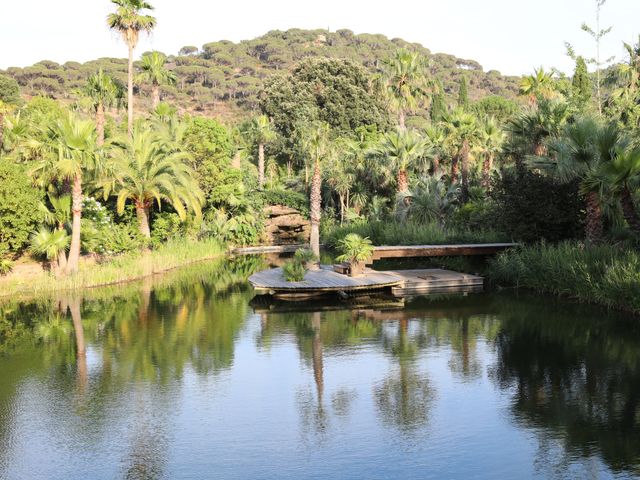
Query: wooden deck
x=323 y=280
x=400 y=283
x=408 y=251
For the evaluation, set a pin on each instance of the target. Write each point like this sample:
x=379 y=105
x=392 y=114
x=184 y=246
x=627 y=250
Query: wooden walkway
x=408 y=251
x=400 y=283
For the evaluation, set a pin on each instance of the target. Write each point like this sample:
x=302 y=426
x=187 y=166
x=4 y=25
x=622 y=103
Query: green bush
x=6 y=266
x=295 y=269
x=166 y=226
x=605 y=274
x=531 y=206
x=19 y=212
x=287 y=198
x=354 y=248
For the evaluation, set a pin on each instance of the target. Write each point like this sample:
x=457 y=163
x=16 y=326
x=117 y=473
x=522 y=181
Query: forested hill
x=224 y=78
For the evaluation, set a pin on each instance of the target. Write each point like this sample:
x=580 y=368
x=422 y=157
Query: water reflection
x=178 y=376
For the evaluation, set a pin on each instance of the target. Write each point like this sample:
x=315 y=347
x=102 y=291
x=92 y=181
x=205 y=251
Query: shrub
x=287 y=198
x=532 y=206
x=295 y=269
x=6 y=266
x=19 y=212
x=354 y=248
x=605 y=274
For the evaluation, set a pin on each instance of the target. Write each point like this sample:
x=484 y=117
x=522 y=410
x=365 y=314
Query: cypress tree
x=581 y=81
x=463 y=94
x=438 y=103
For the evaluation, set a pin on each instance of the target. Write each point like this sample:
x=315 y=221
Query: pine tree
x=463 y=94
x=438 y=103
x=581 y=82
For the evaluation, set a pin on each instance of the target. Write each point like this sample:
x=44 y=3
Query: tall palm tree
x=154 y=71
x=462 y=130
x=147 y=171
x=405 y=79
x=490 y=144
x=401 y=150
x=582 y=150
x=69 y=153
x=104 y=92
x=129 y=22
x=317 y=145
x=261 y=133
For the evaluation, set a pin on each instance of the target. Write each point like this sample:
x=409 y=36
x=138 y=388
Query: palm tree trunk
x=401 y=120
x=315 y=201
x=539 y=150
x=436 y=164
x=403 y=182
x=260 y=165
x=142 y=212
x=593 y=227
x=629 y=210
x=341 y=198
x=130 y=93
x=486 y=171
x=454 y=168
x=464 y=157
x=100 y=124
x=76 y=212
x=155 y=95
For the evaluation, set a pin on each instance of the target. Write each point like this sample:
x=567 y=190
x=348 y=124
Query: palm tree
x=128 y=21
x=318 y=148
x=148 y=171
x=401 y=149
x=462 y=130
x=154 y=71
x=58 y=217
x=104 y=92
x=624 y=166
x=491 y=140
x=405 y=79
x=436 y=138
x=536 y=86
x=70 y=154
x=261 y=132
x=582 y=150
x=52 y=245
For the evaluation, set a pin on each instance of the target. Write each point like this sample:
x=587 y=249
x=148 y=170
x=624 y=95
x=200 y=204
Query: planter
x=357 y=269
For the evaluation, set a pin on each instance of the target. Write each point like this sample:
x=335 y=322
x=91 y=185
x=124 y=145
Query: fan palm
x=69 y=153
x=128 y=21
x=436 y=138
x=405 y=79
x=625 y=166
x=58 y=217
x=400 y=150
x=536 y=86
x=261 y=132
x=103 y=92
x=148 y=171
x=582 y=150
x=490 y=143
x=52 y=245
x=154 y=71
x=462 y=131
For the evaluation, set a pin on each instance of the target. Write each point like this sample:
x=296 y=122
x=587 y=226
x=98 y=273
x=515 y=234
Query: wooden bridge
x=408 y=251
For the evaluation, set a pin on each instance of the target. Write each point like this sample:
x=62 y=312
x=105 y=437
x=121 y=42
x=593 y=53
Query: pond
x=185 y=378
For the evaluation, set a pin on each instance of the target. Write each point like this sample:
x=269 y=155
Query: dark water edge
x=184 y=378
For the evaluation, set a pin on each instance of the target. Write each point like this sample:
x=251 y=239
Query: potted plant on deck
x=355 y=250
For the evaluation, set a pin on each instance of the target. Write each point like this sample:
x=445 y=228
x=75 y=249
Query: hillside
x=224 y=78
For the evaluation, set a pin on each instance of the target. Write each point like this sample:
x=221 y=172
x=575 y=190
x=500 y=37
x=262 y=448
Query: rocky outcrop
x=285 y=225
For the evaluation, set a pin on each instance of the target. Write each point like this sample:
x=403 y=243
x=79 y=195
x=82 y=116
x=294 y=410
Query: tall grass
x=123 y=268
x=607 y=275
x=409 y=233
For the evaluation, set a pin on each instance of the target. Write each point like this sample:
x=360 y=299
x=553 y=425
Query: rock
x=285 y=225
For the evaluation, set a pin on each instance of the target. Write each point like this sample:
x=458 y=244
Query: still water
x=184 y=378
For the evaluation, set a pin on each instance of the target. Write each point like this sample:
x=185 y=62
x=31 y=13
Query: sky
x=512 y=36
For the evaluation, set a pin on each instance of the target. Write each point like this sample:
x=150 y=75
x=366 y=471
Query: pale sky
x=513 y=36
